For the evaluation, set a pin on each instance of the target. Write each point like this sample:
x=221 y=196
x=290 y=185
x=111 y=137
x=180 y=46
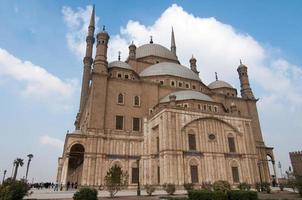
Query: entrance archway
x=75 y=164
x=271 y=169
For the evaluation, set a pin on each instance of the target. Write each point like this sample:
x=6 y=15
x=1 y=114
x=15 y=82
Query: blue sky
x=39 y=98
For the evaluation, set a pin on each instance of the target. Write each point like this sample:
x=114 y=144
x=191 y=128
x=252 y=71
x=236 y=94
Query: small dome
x=119 y=64
x=186 y=95
x=219 y=84
x=173 y=69
x=154 y=50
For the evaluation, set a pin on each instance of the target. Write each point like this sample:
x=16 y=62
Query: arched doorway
x=271 y=169
x=75 y=164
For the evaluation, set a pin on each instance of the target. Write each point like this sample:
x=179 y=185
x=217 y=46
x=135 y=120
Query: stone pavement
x=50 y=194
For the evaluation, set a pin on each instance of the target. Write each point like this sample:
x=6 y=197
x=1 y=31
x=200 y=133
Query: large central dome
x=173 y=69
x=154 y=50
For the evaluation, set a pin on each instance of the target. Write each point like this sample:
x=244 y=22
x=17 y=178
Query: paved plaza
x=131 y=194
x=50 y=194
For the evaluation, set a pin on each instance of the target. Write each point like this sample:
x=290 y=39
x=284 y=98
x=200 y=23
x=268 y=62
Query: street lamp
x=4 y=173
x=138 y=183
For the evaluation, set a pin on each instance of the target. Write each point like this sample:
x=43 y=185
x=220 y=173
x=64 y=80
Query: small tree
x=149 y=189
x=18 y=162
x=189 y=186
x=115 y=180
x=222 y=186
x=169 y=188
x=13 y=190
x=244 y=186
x=86 y=194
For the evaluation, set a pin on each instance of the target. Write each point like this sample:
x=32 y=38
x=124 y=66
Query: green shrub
x=292 y=184
x=149 y=189
x=244 y=186
x=281 y=186
x=207 y=186
x=266 y=187
x=299 y=185
x=174 y=198
x=206 y=195
x=86 y=194
x=13 y=190
x=242 y=195
x=189 y=186
x=169 y=188
x=222 y=186
x=258 y=187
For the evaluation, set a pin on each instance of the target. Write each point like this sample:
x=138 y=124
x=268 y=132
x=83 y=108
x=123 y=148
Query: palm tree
x=18 y=162
x=30 y=156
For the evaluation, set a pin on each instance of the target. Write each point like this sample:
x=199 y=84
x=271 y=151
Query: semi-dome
x=154 y=50
x=219 y=84
x=119 y=64
x=186 y=95
x=173 y=69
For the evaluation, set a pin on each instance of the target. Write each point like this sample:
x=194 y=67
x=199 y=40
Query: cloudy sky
x=42 y=45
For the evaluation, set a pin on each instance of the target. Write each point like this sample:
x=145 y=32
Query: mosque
x=158 y=121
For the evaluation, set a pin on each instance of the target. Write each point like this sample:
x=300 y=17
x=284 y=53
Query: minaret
x=132 y=51
x=87 y=61
x=193 y=65
x=100 y=61
x=246 y=91
x=173 y=45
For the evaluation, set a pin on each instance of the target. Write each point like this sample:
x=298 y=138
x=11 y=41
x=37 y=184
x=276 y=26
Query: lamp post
x=259 y=163
x=138 y=183
x=4 y=173
x=280 y=167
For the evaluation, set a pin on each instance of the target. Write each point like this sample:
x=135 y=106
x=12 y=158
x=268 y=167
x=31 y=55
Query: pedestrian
x=68 y=185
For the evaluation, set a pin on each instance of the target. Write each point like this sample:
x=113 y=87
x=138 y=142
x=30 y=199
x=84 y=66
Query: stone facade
x=296 y=161
x=158 y=121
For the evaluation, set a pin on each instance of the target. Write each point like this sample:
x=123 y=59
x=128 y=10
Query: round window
x=212 y=136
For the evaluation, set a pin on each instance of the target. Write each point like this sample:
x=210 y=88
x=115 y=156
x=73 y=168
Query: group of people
x=68 y=186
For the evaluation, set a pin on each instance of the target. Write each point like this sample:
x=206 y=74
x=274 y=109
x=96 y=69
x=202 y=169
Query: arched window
x=136 y=101
x=194 y=170
x=235 y=172
x=194 y=173
x=231 y=142
x=134 y=173
x=120 y=98
x=192 y=141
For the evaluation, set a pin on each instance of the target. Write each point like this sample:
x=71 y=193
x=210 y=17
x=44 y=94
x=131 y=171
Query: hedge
x=242 y=195
x=218 y=195
x=206 y=195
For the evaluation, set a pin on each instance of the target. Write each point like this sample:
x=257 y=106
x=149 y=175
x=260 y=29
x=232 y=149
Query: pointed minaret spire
x=216 y=76
x=92 y=18
x=151 y=39
x=173 y=45
x=119 y=55
x=87 y=61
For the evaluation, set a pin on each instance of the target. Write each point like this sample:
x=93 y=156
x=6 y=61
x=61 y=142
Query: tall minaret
x=100 y=61
x=173 y=45
x=246 y=91
x=87 y=61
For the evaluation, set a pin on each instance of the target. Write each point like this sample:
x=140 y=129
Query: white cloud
x=77 y=22
x=35 y=81
x=218 y=47
x=47 y=140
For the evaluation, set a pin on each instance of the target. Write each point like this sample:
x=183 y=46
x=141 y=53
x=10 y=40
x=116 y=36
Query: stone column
x=274 y=168
x=64 y=171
